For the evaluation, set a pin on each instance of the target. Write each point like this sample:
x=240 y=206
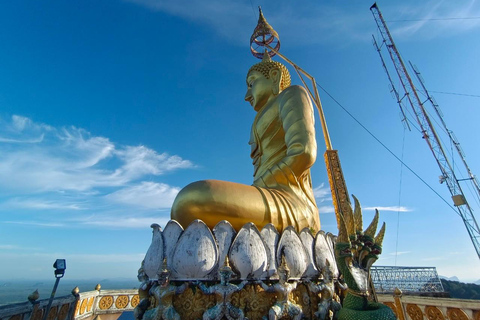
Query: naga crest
x=356 y=250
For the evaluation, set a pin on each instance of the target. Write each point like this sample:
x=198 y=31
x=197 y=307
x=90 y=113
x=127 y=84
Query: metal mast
x=429 y=133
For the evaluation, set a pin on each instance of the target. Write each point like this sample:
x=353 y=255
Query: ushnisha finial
x=264 y=35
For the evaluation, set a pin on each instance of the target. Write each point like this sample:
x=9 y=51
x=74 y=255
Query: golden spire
x=357 y=216
x=342 y=231
x=349 y=220
x=372 y=228
x=380 y=235
x=263 y=35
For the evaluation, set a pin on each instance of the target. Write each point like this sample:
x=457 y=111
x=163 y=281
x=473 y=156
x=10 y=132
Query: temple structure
x=234 y=251
x=256 y=251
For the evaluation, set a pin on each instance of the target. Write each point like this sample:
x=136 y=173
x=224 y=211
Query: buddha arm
x=296 y=115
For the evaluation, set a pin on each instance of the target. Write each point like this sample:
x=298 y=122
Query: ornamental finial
x=264 y=36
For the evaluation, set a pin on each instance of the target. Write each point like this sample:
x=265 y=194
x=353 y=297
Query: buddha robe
x=283 y=149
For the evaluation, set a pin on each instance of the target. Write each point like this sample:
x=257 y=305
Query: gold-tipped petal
x=342 y=232
x=349 y=220
x=380 y=235
x=357 y=215
x=372 y=228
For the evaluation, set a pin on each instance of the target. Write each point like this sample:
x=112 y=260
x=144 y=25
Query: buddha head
x=265 y=80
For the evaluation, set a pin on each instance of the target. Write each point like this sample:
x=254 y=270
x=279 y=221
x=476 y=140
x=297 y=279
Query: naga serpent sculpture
x=355 y=252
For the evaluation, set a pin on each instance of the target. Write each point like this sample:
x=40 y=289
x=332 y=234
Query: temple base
x=198 y=273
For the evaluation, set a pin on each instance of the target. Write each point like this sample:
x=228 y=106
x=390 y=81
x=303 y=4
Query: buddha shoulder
x=296 y=94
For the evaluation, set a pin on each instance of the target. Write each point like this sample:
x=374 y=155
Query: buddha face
x=260 y=88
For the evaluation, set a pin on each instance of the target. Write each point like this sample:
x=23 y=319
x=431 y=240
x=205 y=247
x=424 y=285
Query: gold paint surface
x=77 y=307
x=135 y=300
x=283 y=148
x=62 y=314
x=252 y=299
x=398 y=310
x=191 y=304
x=433 y=313
x=122 y=302
x=52 y=314
x=456 y=314
x=83 y=306
x=90 y=304
x=338 y=186
x=37 y=313
x=414 y=312
x=105 y=302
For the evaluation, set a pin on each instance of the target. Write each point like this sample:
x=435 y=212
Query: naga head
x=356 y=250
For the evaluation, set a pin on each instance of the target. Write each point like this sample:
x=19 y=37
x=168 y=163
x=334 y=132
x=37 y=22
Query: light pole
x=60 y=265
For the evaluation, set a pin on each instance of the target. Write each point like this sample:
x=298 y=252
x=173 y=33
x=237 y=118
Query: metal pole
x=47 y=311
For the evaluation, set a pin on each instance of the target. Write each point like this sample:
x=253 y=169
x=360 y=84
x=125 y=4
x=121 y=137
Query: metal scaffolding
x=430 y=135
x=407 y=279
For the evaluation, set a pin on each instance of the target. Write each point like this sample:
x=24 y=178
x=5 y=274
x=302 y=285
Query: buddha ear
x=276 y=77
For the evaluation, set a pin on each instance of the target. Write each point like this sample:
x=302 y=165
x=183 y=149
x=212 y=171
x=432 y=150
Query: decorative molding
x=433 y=313
x=196 y=253
x=414 y=312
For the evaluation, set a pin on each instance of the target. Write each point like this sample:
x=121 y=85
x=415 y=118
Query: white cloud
x=228 y=18
x=434 y=258
x=73 y=159
x=389 y=208
x=71 y=169
x=8 y=247
x=38 y=224
x=235 y=20
x=433 y=18
x=326 y=209
x=146 y=194
x=399 y=253
x=34 y=203
x=114 y=222
x=322 y=193
x=139 y=161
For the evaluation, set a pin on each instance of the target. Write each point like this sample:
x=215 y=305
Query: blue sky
x=109 y=108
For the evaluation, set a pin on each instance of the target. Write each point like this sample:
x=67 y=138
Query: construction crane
x=411 y=97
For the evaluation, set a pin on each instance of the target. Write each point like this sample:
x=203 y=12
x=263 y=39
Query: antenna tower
x=428 y=130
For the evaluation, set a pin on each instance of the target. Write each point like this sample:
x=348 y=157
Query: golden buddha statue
x=283 y=150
